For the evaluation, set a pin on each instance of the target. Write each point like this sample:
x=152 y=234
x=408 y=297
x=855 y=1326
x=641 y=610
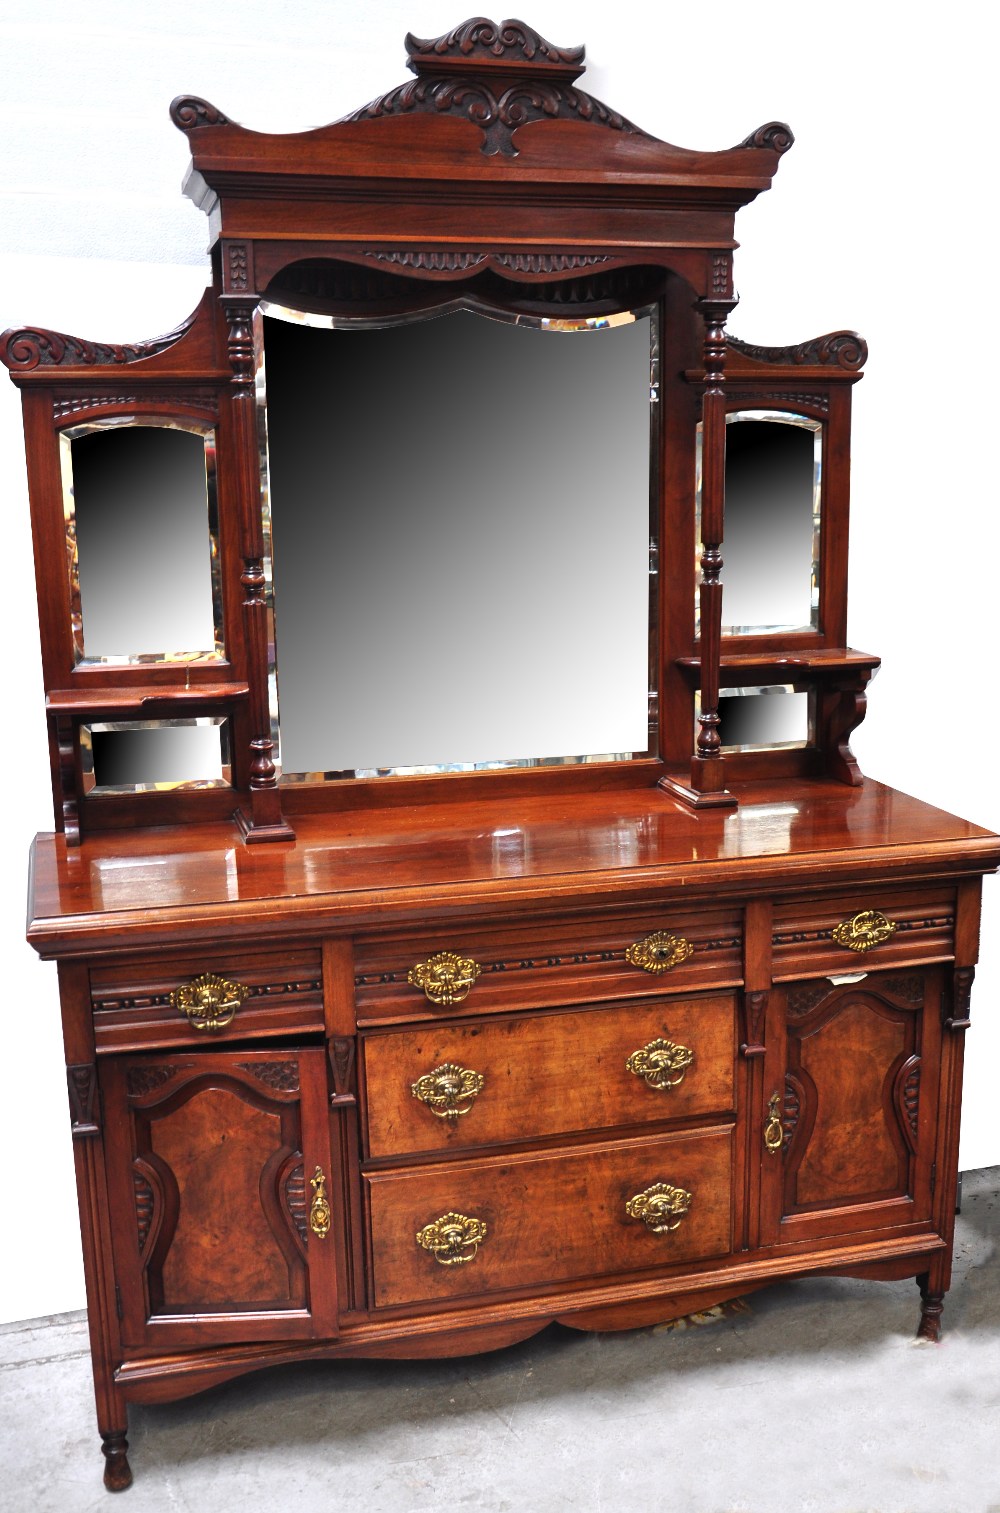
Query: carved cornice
x=188 y=112
x=499 y=76
x=23 y=349
x=486 y=44
x=838 y=349
x=447 y=261
x=776 y=136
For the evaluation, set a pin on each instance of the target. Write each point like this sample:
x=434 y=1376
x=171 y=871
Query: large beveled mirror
x=462 y=527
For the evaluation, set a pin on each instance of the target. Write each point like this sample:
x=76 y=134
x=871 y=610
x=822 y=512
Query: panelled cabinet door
x=222 y=1195
x=851 y=1090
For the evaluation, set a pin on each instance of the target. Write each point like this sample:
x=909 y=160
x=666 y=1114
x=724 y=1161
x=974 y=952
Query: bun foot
x=117 y=1471
x=932 y=1308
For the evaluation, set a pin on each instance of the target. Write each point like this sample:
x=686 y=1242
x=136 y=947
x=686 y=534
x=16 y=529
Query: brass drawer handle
x=445 y=977
x=863 y=931
x=661 y=1207
x=773 y=1132
x=453 y=1239
x=449 y=1091
x=209 y=1002
x=319 y=1209
x=658 y=952
x=660 y=1063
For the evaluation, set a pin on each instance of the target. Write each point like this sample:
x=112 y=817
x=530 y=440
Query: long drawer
x=604 y=957
x=447 y=1086
x=468 y=1228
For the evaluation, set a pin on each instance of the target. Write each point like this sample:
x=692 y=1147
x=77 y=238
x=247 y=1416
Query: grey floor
x=812 y=1398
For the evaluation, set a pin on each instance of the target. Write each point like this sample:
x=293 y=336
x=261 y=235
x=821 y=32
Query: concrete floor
x=813 y=1397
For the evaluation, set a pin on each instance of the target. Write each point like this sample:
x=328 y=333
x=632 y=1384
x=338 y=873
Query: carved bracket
x=754 y=1017
x=342 y=1057
x=961 y=999
x=84 y=1101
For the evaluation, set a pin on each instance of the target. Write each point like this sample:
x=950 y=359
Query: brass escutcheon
x=449 y=1091
x=445 y=977
x=319 y=1210
x=658 y=952
x=660 y=1063
x=660 y=1207
x=453 y=1239
x=773 y=1132
x=864 y=930
x=209 y=1002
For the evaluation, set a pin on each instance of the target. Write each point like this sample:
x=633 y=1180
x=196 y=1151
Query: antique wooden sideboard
x=399 y=1020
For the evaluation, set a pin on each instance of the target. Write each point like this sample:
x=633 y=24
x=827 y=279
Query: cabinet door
x=847 y=1140
x=220 y=1233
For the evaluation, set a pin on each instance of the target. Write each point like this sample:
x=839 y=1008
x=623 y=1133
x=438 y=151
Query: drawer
x=279 y=993
x=446 y=1086
x=915 y=924
x=560 y=963
x=540 y=1220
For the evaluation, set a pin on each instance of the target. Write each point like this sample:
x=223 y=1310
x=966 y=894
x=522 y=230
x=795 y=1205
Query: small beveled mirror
x=136 y=756
x=459 y=507
x=142 y=541
x=771 y=543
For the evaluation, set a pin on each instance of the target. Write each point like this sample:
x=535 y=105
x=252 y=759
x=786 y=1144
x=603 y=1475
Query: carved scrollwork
x=282 y=1076
x=777 y=136
x=838 y=349
x=26 y=348
x=489 y=41
x=189 y=111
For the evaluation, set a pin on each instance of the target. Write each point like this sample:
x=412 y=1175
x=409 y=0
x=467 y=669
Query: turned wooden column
x=707 y=766
x=263 y=821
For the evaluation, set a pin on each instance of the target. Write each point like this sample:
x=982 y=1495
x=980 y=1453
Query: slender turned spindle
x=264 y=822
x=708 y=768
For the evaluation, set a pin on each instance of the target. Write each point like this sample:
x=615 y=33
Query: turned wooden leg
x=117 y=1471
x=932 y=1307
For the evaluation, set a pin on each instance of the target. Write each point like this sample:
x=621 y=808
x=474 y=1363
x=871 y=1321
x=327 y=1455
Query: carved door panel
x=221 y=1195
x=851 y=1089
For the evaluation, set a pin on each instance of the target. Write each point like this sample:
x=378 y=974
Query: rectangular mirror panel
x=771 y=543
x=142 y=542
x=134 y=756
x=762 y=719
x=460 y=510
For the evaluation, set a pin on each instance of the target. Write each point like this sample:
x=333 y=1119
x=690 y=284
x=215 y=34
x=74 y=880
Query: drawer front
x=563 y=963
x=270 y=993
x=547 y=1219
x=888 y=927
x=447 y=1086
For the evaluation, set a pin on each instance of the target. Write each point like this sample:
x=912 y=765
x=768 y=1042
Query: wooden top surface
x=366 y=869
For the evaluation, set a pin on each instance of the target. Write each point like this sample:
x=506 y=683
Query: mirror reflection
x=772 y=522
x=142 y=541
x=138 y=755
x=460 y=518
x=763 y=718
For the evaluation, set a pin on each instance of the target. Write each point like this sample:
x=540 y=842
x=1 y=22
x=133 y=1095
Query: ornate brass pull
x=449 y=1091
x=209 y=1002
x=445 y=978
x=863 y=931
x=660 y=1063
x=661 y=1207
x=320 y=1217
x=453 y=1239
x=773 y=1133
x=658 y=952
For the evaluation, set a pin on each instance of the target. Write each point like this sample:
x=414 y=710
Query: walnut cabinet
x=468 y=908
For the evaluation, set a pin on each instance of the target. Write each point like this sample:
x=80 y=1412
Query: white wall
x=873 y=222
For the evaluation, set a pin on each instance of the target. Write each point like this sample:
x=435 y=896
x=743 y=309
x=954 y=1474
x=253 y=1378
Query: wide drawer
x=541 y=1220
x=140 y=1005
x=579 y=961
x=446 y=1086
x=888 y=927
